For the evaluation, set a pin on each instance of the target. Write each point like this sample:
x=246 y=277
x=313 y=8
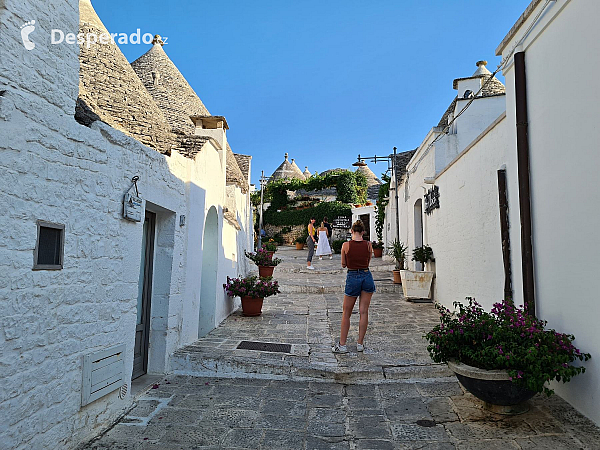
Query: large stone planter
x=494 y=387
x=252 y=306
x=416 y=285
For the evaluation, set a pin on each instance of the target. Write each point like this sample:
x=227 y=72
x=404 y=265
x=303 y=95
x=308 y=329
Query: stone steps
x=195 y=361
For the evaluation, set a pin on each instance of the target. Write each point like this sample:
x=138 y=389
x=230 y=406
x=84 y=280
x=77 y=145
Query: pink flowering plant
x=251 y=287
x=505 y=338
x=263 y=258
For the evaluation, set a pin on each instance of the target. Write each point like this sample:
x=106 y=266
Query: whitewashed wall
x=465 y=231
x=54 y=169
x=564 y=106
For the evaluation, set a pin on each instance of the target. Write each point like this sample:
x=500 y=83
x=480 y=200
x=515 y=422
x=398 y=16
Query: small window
x=49 y=247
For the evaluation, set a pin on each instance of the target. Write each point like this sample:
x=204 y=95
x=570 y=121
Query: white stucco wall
x=54 y=169
x=564 y=106
x=465 y=231
x=370 y=210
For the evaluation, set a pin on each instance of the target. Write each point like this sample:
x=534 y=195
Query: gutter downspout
x=524 y=183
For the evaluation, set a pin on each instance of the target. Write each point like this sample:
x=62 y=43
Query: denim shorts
x=356 y=282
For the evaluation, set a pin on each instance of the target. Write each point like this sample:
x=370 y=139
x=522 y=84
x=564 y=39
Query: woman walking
x=323 y=247
x=310 y=243
x=356 y=256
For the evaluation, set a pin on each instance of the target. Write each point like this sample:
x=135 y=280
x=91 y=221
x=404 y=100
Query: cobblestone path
x=390 y=397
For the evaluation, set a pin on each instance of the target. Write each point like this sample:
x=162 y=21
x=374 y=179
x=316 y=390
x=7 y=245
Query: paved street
x=392 y=396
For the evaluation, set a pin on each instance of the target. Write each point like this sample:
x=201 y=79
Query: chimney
x=212 y=126
x=468 y=87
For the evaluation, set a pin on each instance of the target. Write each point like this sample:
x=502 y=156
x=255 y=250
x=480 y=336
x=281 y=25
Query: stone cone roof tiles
x=169 y=88
x=372 y=179
x=306 y=172
x=110 y=91
x=286 y=170
x=234 y=173
x=243 y=162
x=297 y=169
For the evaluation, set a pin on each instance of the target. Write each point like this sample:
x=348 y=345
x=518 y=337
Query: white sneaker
x=320 y=258
x=310 y=267
x=337 y=348
x=359 y=347
x=330 y=256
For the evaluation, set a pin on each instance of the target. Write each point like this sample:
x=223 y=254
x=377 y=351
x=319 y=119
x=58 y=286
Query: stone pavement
x=392 y=396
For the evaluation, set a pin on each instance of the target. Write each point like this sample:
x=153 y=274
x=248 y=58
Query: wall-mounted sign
x=342 y=222
x=133 y=207
x=432 y=200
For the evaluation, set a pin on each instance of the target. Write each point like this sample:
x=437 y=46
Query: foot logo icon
x=26 y=30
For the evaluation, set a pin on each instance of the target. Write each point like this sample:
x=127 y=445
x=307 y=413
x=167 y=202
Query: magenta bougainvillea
x=505 y=338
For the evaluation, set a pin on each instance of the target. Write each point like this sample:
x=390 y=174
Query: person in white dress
x=323 y=247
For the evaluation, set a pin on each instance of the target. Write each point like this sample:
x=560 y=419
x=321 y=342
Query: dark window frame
x=56 y=226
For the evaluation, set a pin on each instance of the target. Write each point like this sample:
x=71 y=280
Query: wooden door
x=142 y=328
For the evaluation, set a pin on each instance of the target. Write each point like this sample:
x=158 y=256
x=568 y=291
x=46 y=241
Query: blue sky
x=322 y=80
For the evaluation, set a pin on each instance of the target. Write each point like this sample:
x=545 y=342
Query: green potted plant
x=270 y=246
x=416 y=284
x=505 y=356
x=377 y=249
x=301 y=240
x=252 y=291
x=397 y=250
x=265 y=262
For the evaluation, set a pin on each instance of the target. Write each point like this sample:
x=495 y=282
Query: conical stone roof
x=306 y=172
x=297 y=169
x=178 y=101
x=372 y=179
x=169 y=88
x=234 y=173
x=110 y=91
x=287 y=171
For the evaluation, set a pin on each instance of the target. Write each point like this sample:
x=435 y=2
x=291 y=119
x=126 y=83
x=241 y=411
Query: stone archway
x=208 y=280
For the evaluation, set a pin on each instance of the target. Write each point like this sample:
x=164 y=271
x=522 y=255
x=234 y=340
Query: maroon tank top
x=358 y=255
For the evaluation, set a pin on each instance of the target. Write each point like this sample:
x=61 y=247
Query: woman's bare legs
x=347 y=312
x=363 y=307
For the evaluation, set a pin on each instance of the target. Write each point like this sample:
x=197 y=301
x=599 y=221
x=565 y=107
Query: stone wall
x=288 y=238
x=57 y=170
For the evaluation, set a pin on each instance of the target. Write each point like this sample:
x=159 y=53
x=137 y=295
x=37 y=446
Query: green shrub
x=302 y=216
x=337 y=245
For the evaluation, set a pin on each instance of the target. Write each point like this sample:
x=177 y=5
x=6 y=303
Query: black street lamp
x=263 y=183
x=391 y=160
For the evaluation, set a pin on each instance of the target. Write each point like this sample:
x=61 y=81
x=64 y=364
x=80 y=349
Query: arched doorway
x=208 y=280
x=418 y=215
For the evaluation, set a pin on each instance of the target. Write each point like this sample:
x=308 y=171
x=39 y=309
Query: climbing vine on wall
x=293 y=217
x=351 y=187
x=382 y=202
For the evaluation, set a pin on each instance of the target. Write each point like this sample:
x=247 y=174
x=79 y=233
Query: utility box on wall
x=103 y=372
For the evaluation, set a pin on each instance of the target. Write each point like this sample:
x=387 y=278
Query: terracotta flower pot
x=397 y=277
x=377 y=252
x=265 y=271
x=299 y=245
x=252 y=306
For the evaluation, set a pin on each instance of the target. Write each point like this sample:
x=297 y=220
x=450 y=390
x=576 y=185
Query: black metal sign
x=342 y=222
x=432 y=199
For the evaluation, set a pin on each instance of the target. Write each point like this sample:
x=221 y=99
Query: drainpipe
x=524 y=183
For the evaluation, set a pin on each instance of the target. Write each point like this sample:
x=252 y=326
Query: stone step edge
x=303 y=289
x=220 y=368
